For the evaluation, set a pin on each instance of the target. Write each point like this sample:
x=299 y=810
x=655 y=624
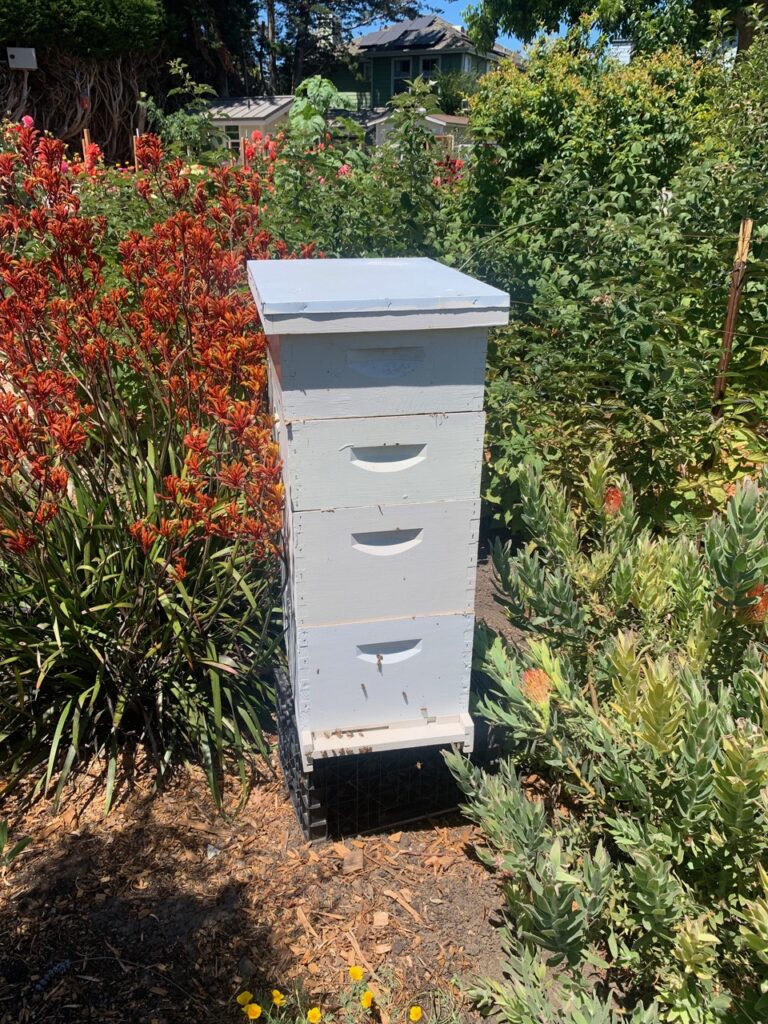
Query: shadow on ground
x=162 y=912
x=101 y=931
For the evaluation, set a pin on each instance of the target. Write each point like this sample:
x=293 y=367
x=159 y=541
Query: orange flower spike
x=536 y=685
x=612 y=501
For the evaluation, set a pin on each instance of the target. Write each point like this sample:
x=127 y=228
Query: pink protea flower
x=27 y=121
x=344 y=171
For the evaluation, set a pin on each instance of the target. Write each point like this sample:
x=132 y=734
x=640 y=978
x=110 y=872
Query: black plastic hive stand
x=357 y=793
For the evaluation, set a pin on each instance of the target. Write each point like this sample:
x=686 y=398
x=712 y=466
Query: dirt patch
x=162 y=912
x=487 y=608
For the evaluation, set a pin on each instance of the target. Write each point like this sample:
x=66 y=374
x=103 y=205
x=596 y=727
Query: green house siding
x=376 y=91
x=354 y=88
x=381 y=82
x=450 y=62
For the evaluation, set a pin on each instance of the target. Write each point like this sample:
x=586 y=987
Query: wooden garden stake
x=86 y=142
x=734 y=297
x=135 y=155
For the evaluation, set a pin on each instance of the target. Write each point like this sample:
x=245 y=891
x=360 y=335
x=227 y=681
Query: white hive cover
x=304 y=288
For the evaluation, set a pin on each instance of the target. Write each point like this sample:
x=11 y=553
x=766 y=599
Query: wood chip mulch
x=163 y=911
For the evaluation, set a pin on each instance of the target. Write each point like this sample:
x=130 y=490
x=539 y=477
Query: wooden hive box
x=376 y=371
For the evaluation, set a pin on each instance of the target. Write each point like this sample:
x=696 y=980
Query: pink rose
x=27 y=121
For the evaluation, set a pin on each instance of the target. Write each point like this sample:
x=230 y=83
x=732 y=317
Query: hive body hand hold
x=376 y=372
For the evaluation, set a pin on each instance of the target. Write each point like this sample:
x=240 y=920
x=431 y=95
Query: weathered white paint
x=349 y=295
x=387 y=460
x=379 y=562
x=376 y=374
x=410 y=672
x=458 y=729
x=383 y=373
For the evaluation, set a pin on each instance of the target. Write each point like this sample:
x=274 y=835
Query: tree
x=649 y=22
x=314 y=38
x=95 y=57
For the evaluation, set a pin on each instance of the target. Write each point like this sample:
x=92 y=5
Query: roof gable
x=426 y=33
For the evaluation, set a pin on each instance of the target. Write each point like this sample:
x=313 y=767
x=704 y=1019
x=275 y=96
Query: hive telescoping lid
x=325 y=296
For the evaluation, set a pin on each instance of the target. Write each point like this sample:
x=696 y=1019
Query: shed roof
x=253 y=108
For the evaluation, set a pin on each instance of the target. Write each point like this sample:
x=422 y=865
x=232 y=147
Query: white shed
x=452 y=130
x=240 y=116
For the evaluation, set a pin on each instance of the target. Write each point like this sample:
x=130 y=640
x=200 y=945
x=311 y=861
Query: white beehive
x=376 y=371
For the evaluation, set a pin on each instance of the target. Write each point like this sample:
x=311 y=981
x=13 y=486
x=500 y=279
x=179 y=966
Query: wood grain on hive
x=376 y=371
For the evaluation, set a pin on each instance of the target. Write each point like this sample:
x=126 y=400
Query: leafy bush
x=188 y=131
x=635 y=873
x=140 y=489
x=394 y=200
x=607 y=200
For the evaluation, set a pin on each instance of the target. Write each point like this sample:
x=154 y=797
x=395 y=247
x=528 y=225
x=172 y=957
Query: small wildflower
x=314 y=1016
x=356 y=973
x=278 y=998
x=244 y=998
x=252 y=1011
x=366 y=999
x=415 y=1014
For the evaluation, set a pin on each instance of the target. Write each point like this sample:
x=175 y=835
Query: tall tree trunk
x=271 y=55
x=744 y=24
x=302 y=41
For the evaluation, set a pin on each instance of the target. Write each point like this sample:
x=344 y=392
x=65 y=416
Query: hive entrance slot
x=388 y=653
x=388 y=458
x=386 y=542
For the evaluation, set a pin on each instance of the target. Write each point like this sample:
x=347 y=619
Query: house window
x=401 y=74
x=232 y=133
x=429 y=67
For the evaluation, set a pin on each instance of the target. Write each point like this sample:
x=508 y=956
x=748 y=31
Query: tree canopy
x=85 y=28
x=650 y=24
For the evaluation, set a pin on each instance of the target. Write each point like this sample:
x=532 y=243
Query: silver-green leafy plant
x=635 y=878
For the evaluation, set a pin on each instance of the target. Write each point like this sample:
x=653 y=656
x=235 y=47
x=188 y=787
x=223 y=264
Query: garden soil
x=163 y=912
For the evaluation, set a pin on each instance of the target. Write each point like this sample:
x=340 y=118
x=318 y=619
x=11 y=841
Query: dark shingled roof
x=426 y=33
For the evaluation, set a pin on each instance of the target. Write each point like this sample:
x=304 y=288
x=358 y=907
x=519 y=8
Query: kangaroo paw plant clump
x=634 y=849
x=140 y=493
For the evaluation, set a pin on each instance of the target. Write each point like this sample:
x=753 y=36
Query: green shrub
x=635 y=884
x=607 y=200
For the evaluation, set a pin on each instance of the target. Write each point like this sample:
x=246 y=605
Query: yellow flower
x=244 y=998
x=414 y=1014
x=314 y=1016
x=366 y=999
x=252 y=1011
x=277 y=997
x=356 y=973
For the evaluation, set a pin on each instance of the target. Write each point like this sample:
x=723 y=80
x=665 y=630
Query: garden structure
x=376 y=379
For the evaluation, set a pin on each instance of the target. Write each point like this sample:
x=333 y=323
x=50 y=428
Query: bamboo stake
x=734 y=297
